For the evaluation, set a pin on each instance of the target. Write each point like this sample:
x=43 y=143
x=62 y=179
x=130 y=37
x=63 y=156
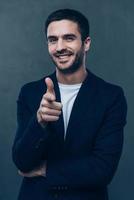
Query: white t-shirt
x=68 y=94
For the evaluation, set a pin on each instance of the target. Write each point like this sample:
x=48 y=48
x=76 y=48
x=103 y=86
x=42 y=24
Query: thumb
x=50 y=86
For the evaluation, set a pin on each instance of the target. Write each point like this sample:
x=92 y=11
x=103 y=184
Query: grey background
x=24 y=57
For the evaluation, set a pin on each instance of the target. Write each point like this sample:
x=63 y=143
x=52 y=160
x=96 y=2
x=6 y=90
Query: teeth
x=65 y=56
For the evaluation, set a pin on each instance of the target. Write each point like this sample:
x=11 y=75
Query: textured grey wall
x=24 y=57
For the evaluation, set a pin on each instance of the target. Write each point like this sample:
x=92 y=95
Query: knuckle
x=46 y=110
x=45 y=118
x=46 y=104
x=44 y=96
x=39 y=112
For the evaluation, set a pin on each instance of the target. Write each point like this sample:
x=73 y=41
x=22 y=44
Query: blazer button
x=62 y=187
x=66 y=188
x=59 y=188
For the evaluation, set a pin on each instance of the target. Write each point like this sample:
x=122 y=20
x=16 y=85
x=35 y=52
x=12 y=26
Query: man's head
x=67 y=33
x=72 y=15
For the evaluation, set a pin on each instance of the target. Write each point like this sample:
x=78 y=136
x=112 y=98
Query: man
x=70 y=124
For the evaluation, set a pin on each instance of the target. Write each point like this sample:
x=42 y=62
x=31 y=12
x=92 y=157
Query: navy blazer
x=81 y=166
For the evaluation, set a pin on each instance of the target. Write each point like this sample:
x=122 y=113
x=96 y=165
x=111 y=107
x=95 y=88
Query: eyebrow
x=64 y=36
x=70 y=35
x=51 y=36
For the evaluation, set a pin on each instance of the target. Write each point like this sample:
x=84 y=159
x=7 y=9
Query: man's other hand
x=40 y=171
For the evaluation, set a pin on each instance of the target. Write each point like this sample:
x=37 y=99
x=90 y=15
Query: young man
x=70 y=123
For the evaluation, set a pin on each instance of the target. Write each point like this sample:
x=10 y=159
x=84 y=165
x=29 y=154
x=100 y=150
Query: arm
x=30 y=141
x=97 y=169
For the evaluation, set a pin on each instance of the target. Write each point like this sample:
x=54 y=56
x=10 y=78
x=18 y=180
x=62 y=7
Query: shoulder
x=106 y=88
x=33 y=91
x=34 y=87
x=111 y=97
x=108 y=93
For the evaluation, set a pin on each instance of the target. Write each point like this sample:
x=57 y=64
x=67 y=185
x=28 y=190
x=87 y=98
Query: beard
x=77 y=63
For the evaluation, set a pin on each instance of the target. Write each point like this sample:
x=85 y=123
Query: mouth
x=63 y=56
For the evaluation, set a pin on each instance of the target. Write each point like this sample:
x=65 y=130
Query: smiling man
x=66 y=47
x=70 y=124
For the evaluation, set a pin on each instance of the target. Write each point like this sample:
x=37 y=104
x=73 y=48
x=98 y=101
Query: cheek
x=77 y=47
x=51 y=50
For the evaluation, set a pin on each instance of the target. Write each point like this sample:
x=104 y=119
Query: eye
x=52 y=40
x=69 y=38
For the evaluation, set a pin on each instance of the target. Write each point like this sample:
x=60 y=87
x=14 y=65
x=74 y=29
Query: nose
x=60 y=45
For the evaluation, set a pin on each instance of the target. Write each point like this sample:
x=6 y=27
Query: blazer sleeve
x=97 y=169
x=30 y=141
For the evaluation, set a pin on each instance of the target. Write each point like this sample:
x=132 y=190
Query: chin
x=68 y=70
x=63 y=67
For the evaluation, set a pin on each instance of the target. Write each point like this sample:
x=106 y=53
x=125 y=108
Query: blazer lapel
x=58 y=125
x=83 y=108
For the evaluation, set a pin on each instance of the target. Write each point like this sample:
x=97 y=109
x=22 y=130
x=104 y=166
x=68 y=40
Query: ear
x=87 y=43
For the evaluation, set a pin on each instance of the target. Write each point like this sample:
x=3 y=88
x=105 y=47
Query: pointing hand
x=49 y=109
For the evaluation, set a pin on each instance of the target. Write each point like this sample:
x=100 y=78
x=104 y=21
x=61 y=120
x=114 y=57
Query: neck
x=74 y=78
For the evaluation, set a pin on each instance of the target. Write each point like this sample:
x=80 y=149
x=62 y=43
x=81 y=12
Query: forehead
x=62 y=27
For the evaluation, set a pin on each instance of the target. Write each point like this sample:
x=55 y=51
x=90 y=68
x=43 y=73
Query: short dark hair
x=72 y=15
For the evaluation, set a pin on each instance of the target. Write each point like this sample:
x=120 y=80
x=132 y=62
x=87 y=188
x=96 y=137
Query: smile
x=63 y=56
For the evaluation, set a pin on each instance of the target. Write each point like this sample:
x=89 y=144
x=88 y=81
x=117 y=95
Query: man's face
x=65 y=45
